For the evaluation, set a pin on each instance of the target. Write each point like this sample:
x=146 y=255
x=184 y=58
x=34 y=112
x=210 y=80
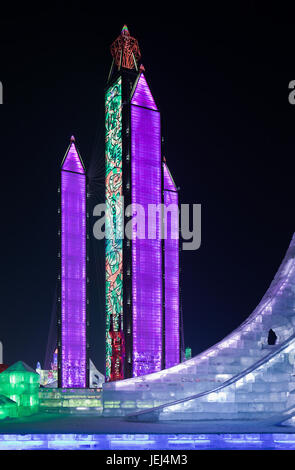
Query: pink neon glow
x=147 y=253
x=172 y=344
x=73 y=272
x=142 y=95
x=72 y=161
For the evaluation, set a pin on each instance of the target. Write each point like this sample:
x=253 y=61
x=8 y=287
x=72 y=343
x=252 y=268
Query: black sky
x=221 y=81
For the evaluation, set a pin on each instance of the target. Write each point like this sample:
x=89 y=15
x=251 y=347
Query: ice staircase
x=236 y=354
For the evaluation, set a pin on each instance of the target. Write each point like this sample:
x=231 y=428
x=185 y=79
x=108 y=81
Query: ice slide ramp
x=235 y=354
x=264 y=391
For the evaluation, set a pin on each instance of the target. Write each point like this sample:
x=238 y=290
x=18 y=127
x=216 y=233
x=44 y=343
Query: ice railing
x=277 y=286
x=240 y=378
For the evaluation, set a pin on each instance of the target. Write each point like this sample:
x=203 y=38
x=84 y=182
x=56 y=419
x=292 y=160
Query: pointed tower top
x=125 y=50
x=72 y=160
x=125 y=30
x=169 y=183
x=142 y=95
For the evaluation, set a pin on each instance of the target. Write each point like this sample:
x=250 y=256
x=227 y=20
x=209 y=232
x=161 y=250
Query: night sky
x=221 y=81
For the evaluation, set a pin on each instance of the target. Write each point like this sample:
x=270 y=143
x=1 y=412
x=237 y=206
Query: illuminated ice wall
x=73 y=270
x=113 y=227
x=171 y=253
x=146 y=253
x=241 y=377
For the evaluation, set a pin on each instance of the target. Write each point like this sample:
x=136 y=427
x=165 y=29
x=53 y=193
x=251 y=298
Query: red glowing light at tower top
x=125 y=50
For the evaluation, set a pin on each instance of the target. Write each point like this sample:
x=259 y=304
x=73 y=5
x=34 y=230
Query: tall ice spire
x=72 y=296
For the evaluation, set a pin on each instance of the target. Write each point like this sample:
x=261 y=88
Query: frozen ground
x=51 y=423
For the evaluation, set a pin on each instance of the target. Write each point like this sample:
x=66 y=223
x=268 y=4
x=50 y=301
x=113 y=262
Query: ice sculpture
x=20 y=383
x=242 y=375
x=72 y=307
x=263 y=391
x=96 y=378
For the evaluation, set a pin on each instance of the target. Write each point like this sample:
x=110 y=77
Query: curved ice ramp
x=235 y=354
x=264 y=391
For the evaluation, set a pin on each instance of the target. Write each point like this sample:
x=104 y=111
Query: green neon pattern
x=114 y=216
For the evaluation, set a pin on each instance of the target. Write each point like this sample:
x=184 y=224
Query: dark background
x=220 y=78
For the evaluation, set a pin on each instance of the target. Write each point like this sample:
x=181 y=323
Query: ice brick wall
x=242 y=349
x=264 y=391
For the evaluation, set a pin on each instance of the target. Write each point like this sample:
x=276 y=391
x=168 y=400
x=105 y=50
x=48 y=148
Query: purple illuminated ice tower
x=171 y=257
x=72 y=341
x=142 y=274
x=146 y=253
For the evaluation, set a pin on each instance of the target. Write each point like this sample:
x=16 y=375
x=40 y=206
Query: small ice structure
x=96 y=378
x=48 y=378
x=20 y=383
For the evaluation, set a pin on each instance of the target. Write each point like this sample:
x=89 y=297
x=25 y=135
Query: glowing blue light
x=146 y=441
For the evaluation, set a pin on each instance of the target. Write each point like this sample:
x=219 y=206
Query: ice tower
x=142 y=301
x=72 y=295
